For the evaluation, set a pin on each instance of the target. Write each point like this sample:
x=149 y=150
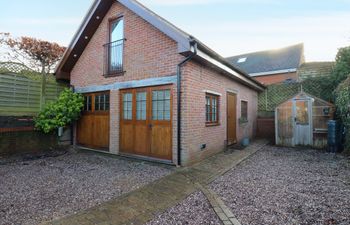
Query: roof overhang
x=231 y=72
x=93 y=19
x=81 y=39
x=167 y=28
x=99 y=9
x=293 y=70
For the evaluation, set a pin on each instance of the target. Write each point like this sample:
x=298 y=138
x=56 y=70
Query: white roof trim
x=228 y=70
x=273 y=72
x=179 y=36
x=167 y=28
x=78 y=33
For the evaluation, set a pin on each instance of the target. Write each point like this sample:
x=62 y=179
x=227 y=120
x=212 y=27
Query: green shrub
x=57 y=114
x=343 y=103
x=341 y=69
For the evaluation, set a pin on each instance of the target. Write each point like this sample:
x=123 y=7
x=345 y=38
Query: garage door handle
x=150 y=126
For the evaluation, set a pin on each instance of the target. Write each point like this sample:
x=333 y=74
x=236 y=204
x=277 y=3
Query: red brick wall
x=197 y=80
x=276 y=78
x=150 y=53
x=147 y=52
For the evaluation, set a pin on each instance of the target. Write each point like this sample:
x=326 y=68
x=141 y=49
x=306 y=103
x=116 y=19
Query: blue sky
x=230 y=27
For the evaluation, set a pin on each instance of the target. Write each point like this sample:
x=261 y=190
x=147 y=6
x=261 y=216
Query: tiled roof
x=270 y=61
x=315 y=69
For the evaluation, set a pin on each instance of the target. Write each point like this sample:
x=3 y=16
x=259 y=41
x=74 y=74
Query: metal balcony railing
x=113 y=58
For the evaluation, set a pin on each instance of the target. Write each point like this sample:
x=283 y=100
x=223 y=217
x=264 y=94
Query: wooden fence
x=21 y=95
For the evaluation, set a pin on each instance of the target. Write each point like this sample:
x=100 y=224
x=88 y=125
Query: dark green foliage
x=342 y=65
x=343 y=104
x=342 y=80
x=60 y=113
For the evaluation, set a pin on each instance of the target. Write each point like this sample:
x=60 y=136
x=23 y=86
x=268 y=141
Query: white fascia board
x=78 y=33
x=228 y=70
x=165 y=27
x=273 y=72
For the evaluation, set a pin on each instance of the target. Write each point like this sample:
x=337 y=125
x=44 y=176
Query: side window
x=115 y=48
x=127 y=106
x=244 y=110
x=117 y=30
x=212 y=109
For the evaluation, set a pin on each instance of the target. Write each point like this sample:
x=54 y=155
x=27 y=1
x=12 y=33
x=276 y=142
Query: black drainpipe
x=193 y=44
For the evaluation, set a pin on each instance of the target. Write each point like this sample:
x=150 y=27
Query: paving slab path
x=141 y=205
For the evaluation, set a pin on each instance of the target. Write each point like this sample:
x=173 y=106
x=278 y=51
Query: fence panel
x=21 y=95
x=275 y=94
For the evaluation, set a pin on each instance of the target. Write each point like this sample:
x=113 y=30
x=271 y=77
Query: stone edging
x=221 y=210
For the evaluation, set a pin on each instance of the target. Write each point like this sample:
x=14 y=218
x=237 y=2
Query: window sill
x=212 y=124
x=119 y=74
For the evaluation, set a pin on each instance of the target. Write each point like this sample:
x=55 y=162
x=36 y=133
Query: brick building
x=271 y=66
x=129 y=63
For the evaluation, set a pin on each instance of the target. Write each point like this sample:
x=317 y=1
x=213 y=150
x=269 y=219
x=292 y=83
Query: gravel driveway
x=288 y=186
x=194 y=210
x=46 y=189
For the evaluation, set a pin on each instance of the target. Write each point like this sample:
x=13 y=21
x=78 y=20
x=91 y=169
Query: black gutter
x=193 y=44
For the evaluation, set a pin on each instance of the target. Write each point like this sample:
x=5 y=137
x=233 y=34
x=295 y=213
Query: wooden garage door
x=93 y=126
x=146 y=122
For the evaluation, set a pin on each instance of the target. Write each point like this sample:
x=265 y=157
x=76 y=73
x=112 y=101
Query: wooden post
x=43 y=87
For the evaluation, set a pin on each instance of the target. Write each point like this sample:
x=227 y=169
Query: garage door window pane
x=141 y=106
x=87 y=103
x=127 y=106
x=106 y=102
x=161 y=105
x=102 y=102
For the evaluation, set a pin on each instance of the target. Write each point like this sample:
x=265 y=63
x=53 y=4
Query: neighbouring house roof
x=315 y=69
x=100 y=8
x=284 y=60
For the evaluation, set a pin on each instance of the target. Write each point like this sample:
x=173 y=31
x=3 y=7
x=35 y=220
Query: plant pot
x=60 y=131
x=245 y=142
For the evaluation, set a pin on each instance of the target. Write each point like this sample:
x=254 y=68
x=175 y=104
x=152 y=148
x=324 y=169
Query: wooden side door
x=231 y=118
x=93 y=126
